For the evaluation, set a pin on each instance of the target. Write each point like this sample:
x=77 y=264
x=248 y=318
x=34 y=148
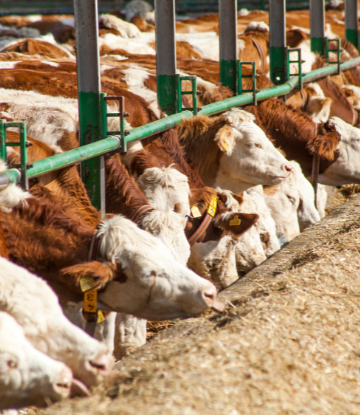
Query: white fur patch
x=257 y=26
x=127 y=30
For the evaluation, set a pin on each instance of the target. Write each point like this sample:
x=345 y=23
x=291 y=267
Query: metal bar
x=228 y=42
x=113 y=143
x=194 y=95
x=279 y=65
x=165 y=55
x=2 y=140
x=88 y=75
x=351 y=22
x=317 y=28
x=23 y=156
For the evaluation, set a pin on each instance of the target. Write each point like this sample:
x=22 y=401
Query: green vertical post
x=351 y=22
x=279 y=57
x=91 y=104
x=2 y=140
x=228 y=43
x=165 y=55
x=318 y=42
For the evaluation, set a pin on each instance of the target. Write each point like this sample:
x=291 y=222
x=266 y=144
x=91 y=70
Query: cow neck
x=140 y=214
x=201 y=230
x=260 y=52
x=315 y=169
x=305 y=99
x=123 y=195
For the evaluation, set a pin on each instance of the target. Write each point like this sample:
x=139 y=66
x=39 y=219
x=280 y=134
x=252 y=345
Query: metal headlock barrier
x=96 y=141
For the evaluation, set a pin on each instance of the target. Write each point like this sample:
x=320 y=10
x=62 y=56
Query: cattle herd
x=187 y=210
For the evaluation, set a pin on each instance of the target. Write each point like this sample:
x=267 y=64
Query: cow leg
x=105 y=331
x=130 y=333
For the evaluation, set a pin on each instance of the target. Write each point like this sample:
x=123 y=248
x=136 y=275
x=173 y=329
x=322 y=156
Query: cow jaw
x=157 y=287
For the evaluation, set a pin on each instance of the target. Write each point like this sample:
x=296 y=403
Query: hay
x=289 y=342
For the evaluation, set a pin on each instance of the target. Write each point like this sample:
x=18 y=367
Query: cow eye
x=292 y=199
x=258 y=145
x=264 y=237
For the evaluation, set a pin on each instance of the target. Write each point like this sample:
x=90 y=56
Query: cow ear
x=97 y=273
x=225 y=138
x=236 y=223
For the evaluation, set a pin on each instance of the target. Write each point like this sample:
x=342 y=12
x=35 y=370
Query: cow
x=292 y=204
x=311 y=100
x=28 y=376
x=300 y=138
x=36 y=308
x=129 y=260
x=231 y=151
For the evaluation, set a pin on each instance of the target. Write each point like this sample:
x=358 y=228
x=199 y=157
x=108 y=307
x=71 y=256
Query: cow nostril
x=103 y=362
x=288 y=168
x=210 y=293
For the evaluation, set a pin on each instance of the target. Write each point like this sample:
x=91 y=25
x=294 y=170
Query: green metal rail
x=112 y=143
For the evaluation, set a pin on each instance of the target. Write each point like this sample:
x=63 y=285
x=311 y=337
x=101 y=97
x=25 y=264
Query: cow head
x=28 y=376
x=152 y=284
x=248 y=157
x=213 y=255
x=345 y=169
x=46 y=326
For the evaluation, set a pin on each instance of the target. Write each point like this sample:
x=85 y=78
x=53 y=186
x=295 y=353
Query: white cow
x=28 y=376
x=36 y=308
x=292 y=204
x=261 y=240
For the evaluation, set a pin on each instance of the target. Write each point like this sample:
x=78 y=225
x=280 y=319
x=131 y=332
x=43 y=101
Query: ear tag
x=87 y=283
x=90 y=300
x=212 y=207
x=225 y=146
x=101 y=317
x=195 y=212
x=236 y=221
x=213 y=202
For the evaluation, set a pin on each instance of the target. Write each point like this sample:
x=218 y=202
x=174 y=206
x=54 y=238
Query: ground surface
x=289 y=342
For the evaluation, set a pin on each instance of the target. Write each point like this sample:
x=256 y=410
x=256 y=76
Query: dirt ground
x=288 y=343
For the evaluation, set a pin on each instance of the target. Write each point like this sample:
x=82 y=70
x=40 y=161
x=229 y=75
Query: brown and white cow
x=232 y=152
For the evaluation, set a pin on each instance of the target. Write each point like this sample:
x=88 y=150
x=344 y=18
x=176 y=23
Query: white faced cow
x=232 y=152
x=28 y=376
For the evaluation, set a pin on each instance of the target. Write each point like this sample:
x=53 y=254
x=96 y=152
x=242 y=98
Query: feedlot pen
x=288 y=343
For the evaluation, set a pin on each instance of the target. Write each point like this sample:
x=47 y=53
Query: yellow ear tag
x=225 y=146
x=90 y=300
x=235 y=221
x=195 y=212
x=101 y=317
x=87 y=283
x=212 y=207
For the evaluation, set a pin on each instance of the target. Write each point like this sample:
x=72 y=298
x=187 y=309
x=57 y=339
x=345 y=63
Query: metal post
x=351 y=22
x=319 y=42
x=165 y=55
x=279 y=59
x=2 y=140
x=228 y=42
x=92 y=126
